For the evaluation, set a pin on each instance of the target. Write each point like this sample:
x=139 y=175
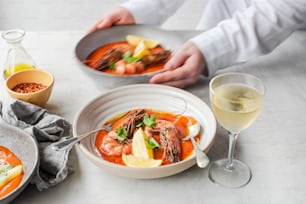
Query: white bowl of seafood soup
x=158 y=97
x=94 y=40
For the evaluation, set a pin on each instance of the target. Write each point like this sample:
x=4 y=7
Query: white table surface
x=274 y=147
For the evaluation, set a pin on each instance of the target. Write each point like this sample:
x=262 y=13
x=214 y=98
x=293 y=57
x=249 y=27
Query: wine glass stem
x=232 y=144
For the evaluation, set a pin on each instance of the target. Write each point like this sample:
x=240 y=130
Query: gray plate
x=25 y=148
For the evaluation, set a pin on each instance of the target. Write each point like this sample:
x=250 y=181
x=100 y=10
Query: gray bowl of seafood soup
x=25 y=148
x=91 y=42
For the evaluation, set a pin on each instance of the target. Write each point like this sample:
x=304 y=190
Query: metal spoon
x=201 y=157
x=67 y=144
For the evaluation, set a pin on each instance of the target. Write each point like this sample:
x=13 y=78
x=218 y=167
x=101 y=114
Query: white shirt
x=250 y=32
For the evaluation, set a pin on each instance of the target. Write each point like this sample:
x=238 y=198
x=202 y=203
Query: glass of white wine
x=236 y=100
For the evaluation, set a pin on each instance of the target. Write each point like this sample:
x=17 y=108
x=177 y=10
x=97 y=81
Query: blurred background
x=79 y=14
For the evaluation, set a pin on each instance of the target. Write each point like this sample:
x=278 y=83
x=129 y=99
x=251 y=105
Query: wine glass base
x=235 y=177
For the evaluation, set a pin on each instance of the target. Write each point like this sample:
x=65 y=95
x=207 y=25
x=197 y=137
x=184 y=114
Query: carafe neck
x=13 y=37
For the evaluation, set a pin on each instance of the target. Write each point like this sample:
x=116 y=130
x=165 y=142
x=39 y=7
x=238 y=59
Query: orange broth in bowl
x=97 y=54
x=181 y=122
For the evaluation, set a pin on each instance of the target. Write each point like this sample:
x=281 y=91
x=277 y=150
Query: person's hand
x=119 y=16
x=184 y=68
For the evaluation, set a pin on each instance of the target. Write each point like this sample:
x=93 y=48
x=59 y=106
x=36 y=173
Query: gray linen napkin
x=47 y=128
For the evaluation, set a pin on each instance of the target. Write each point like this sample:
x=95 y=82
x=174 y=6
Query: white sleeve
x=255 y=31
x=153 y=12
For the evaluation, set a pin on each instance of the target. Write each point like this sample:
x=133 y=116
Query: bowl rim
x=110 y=164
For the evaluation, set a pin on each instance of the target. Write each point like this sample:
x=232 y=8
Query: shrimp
x=111 y=56
x=130 y=120
x=169 y=137
x=112 y=147
x=156 y=58
x=123 y=67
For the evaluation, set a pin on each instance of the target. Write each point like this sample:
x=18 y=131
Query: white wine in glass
x=236 y=100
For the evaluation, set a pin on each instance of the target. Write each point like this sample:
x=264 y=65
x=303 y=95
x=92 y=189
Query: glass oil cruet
x=17 y=57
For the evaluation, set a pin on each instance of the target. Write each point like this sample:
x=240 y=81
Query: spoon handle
x=201 y=157
x=67 y=144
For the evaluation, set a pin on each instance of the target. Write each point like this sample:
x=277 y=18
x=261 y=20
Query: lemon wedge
x=10 y=175
x=142 y=155
x=141 y=50
x=139 y=146
x=151 y=43
x=135 y=40
x=133 y=161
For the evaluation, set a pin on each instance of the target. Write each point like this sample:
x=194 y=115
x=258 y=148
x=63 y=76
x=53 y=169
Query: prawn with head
x=119 y=140
x=170 y=139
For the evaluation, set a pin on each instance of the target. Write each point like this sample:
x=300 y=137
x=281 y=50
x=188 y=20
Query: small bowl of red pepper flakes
x=33 y=86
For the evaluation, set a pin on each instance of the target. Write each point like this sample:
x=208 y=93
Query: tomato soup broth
x=8 y=157
x=181 y=122
x=96 y=55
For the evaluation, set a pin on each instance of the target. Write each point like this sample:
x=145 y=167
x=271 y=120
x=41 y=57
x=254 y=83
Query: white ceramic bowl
x=158 y=97
x=169 y=40
x=25 y=148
